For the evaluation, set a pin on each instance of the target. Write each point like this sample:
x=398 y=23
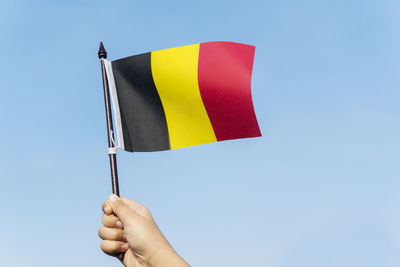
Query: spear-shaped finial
x=102 y=52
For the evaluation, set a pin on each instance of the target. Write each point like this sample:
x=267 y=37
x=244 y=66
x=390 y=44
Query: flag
x=183 y=96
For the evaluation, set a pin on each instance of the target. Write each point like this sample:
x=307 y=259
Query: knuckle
x=101 y=232
x=105 y=207
x=109 y=247
x=108 y=220
x=145 y=209
x=104 y=219
x=105 y=247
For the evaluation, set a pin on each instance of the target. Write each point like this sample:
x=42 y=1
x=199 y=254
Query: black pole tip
x=102 y=52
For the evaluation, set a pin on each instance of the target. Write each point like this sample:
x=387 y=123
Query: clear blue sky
x=320 y=188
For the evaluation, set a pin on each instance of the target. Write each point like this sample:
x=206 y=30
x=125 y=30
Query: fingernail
x=113 y=198
x=119 y=224
x=125 y=246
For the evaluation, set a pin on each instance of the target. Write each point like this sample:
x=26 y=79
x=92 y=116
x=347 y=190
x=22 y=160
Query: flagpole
x=110 y=131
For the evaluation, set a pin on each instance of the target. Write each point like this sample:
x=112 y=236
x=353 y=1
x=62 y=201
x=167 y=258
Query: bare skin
x=130 y=234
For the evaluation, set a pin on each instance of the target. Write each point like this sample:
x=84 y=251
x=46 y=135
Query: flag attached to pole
x=183 y=96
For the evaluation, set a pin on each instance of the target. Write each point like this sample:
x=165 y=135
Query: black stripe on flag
x=143 y=119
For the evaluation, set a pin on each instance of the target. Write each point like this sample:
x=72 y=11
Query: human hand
x=130 y=233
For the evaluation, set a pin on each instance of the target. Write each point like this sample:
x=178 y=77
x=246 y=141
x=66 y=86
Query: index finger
x=107 y=208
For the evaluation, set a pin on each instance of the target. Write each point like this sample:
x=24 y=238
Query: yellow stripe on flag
x=174 y=73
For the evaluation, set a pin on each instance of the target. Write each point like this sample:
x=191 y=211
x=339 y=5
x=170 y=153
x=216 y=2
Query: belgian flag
x=183 y=96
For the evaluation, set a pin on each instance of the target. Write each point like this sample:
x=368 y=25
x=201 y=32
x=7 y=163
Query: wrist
x=166 y=257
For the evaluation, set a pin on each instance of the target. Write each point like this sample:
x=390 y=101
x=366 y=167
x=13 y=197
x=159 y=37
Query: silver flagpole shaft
x=110 y=131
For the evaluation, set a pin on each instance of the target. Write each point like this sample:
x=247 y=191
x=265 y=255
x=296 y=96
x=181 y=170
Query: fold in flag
x=183 y=96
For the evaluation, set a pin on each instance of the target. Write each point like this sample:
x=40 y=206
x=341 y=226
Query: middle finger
x=111 y=234
x=111 y=221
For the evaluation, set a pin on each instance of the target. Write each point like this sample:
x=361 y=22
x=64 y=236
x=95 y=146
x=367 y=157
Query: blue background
x=320 y=188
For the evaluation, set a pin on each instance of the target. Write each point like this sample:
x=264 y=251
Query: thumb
x=120 y=209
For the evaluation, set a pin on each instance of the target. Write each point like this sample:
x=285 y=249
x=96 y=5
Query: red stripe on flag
x=225 y=85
